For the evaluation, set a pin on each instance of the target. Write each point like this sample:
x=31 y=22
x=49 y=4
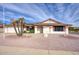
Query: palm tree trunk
x=18 y=27
x=15 y=28
x=21 y=22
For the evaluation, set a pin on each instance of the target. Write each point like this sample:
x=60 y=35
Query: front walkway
x=38 y=44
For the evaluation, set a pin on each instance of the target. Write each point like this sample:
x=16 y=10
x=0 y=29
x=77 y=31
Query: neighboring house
x=1 y=28
x=1 y=25
x=49 y=26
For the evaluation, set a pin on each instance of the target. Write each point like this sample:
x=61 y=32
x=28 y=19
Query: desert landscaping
x=38 y=44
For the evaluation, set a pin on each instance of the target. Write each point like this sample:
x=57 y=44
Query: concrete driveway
x=46 y=45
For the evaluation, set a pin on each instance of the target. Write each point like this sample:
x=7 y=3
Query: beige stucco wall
x=37 y=29
x=46 y=29
x=9 y=30
x=66 y=30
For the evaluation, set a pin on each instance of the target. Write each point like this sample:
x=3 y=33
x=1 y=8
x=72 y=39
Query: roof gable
x=50 y=22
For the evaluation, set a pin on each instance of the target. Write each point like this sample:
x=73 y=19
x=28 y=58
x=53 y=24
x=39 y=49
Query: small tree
x=18 y=26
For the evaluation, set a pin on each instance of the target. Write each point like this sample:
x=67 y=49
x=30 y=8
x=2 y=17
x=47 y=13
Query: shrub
x=28 y=31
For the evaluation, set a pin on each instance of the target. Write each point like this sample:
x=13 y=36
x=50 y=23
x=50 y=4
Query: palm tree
x=18 y=26
x=21 y=23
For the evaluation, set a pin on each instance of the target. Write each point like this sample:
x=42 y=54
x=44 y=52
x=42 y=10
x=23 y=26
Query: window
x=58 y=28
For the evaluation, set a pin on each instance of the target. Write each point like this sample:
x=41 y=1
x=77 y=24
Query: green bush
x=72 y=29
x=29 y=31
x=24 y=31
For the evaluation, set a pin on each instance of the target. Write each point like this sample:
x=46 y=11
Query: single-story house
x=49 y=26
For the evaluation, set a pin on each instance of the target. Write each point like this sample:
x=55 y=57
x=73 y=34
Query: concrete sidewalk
x=7 y=50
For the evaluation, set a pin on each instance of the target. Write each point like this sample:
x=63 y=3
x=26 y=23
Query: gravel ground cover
x=38 y=41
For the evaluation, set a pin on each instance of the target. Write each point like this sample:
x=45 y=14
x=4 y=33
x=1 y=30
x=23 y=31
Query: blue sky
x=66 y=13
